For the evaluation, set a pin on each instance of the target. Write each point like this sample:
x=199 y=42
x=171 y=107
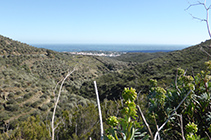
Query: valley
x=28 y=76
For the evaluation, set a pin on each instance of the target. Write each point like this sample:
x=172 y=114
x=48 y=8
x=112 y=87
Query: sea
x=110 y=47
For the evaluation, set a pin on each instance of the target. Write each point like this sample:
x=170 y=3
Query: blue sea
x=110 y=47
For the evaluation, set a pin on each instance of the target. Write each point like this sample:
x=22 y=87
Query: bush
x=36 y=112
x=19 y=100
x=35 y=104
x=49 y=104
x=18 y=92
x=26 y=96
x=195 y=92
x=11 y=95
x=11 y=101
x=43 y=108
x=1 y=107
x=27 y=104
x=3 y=116
x=44 y=96
x=14 y=107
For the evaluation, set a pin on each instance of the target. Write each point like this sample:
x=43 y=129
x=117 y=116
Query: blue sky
x=102 y=22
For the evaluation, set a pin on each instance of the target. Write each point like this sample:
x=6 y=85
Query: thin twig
x=56 y=87
x=205 y=51
x=57 y=100
x=201 y=19
x=207 y=135
x=181 y=127
x=147 y=125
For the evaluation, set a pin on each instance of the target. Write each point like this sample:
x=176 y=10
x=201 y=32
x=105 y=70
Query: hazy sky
x=102 y=21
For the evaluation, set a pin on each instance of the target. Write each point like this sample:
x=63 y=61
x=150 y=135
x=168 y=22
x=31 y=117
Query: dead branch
x=207 y=8
x=207 y=135
x=57 y=100
x=99 y=109
x=147 y=125
x=205 y=51
x=181 y=126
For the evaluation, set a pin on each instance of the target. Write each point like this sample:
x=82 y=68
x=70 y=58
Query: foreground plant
x=125 y=127
x=190 y=98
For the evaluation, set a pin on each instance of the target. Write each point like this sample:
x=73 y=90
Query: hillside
x=162 y=68
x=139 y=56
x=28 y=76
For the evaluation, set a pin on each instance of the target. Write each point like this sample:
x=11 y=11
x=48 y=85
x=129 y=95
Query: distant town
x=99 y=53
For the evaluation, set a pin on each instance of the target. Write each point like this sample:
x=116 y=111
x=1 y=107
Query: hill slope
x=162 y=68
x=139 y=56
x=28 y=76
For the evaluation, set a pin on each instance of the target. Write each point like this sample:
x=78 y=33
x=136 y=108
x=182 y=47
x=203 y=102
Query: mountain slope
x=28 y=76
x=162 y=68
x=139 y=56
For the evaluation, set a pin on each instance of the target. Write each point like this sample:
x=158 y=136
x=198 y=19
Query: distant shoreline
x=113 y=53
x=110 y=48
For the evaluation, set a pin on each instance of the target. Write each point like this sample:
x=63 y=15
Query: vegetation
x=28 y=76
x=125 y=128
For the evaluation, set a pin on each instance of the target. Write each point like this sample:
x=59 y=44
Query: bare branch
x=181 y=127
x=209 y=7
x=191 y=5
x=147 y=125
x=207 y=135
x=201 y=19
x=57 y=100
x=58 y=124
x=56 y=86
x=197 y=18
x=99 y=109
x=205 y=51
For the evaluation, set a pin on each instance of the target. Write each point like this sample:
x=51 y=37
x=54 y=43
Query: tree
x=206 y=8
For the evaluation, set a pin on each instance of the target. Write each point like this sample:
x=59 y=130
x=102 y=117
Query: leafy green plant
x=191 y=95
x=125 y=127
x=191 y=130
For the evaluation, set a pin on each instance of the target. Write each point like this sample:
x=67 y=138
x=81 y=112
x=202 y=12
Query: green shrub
x=19 y=100
x=50 y=104
x=4 y=116
x=13 y=107
x=35 y=104
x=18 y=93
x=27 y=104
x=44 y=96
x=26 y=96
x=11 y=101
x=11 y=95
x=1 y=107
x=195 y=108
x=43 y=108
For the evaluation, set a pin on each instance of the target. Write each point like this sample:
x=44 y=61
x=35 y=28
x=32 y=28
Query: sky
x=102 y=22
